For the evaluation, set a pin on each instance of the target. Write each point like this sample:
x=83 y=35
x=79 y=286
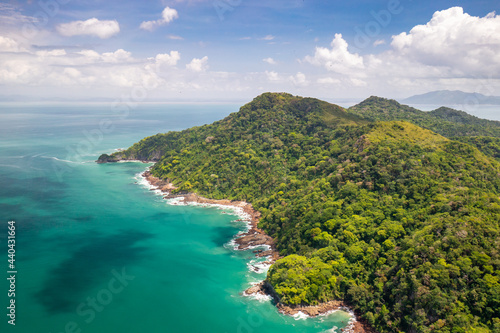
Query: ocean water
x=98 y=252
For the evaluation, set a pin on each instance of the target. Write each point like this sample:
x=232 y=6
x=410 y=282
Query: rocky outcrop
x=124 y=156
x=105 y=158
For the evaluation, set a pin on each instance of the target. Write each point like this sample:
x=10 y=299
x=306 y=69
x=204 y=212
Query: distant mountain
x=447 y=97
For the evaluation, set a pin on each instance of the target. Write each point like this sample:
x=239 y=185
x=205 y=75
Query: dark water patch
x=161 y=217
x=83 y=218
x=222 y=235
x=38 y=189
x=89 y=267
x=10 y=211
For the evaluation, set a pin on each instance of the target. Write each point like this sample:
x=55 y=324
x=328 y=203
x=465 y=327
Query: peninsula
x=389 y=211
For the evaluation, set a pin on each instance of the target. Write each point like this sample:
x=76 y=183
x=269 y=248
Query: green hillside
x=445 y=121
x=400 y=222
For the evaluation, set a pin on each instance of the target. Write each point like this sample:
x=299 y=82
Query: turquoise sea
x=98 y=252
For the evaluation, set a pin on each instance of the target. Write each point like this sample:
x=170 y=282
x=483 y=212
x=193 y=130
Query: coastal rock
x=248 y=241
x=105 y=158
x=265 y=253
x=257 y=289
x=162 y=185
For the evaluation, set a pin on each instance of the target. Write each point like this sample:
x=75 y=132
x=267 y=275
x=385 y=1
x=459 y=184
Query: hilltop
x=454 y=124
x=400 y=221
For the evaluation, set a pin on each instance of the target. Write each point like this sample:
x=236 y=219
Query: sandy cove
x=257 y=237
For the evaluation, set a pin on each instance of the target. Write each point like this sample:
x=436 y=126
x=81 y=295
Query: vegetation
x=487 y=144
x=445 y=121
x=401 y=222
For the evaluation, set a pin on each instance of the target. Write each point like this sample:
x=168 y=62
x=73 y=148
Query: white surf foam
x=142 y=181
x=259 y=266
x=301 y=316
x=132 y=161
x=178 y=201
x=260 y=297
x=65 y=161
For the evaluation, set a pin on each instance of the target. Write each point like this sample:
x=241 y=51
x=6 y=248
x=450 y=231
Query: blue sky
x=236 y=49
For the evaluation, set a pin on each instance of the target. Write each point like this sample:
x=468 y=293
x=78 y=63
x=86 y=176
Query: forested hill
x=445 y=121
x=401 y=222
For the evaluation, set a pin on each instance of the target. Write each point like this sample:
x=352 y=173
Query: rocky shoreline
x=256 y=237
x=355 y=325
x=252 y=238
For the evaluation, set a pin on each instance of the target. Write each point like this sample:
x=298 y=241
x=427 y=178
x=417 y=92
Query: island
x=456 y=97
x=385 y=209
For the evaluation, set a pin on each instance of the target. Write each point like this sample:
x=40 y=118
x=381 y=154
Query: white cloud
x=119 y=56
x=456 y=40
x=268 y=37
x=272 y=76
x=167 y=16
x=175 y=37
x=451 y=51
x=328 y=80
x=299 y=79
x=51 y=53
x=198 y=65
x=169 y=59
x=90 y=27
x=18 y=71
x=378 y=42
x=337 y=59
x=9 y=45
x=270 y=61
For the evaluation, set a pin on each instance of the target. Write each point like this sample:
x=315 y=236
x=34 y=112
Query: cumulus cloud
x=299 y=79
x=272 y=76
x=451 y=51
x=56 y=67
x=452 y=38
x=9 y=45
x=338 y=58
x=270 y=61
x=90 y=73
x=378 y=42
x=119 y=56
x=90 y=27
x=198 y=65
x=167 y=16
x=169 y=59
